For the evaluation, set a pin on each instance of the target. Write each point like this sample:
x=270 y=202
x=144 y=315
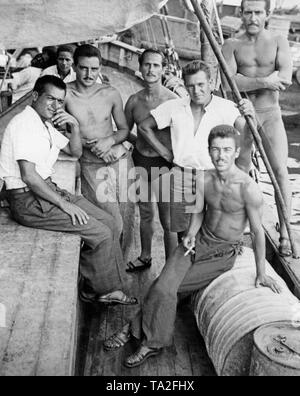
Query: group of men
x=199 y=146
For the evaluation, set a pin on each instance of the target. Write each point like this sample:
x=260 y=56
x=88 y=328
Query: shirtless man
x=138 y=107
x=228 y=198
x=95 y=105
x=261 y=64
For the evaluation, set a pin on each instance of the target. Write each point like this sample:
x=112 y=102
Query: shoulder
x=281 y=41
x=222 y=104
x=251 y=191
x=209 y=176
x=167 y=94
x=133 y=99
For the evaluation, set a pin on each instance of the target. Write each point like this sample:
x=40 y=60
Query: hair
x=267 y=3
x=225 y=131
x=42 y=82
x=88 y=51
x=65 y=48
x=194 y=67
x=155 y=52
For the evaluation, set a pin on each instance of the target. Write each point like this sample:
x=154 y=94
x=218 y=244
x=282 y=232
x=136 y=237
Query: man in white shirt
x=29 y=150
x=64 y=67
x=191 y=121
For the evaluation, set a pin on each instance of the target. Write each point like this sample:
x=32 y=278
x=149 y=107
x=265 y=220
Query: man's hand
x=247 y=109
x=169 y=157
x=101 y=146
x=189 y=243
x=267 y=281
x=76 y=213
x=276 y=83
x=109 y=157
x=63 y=118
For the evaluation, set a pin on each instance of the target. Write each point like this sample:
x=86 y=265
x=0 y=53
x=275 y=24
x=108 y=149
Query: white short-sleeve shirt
x=28 y=138
x=191 y=150
x=53 y=71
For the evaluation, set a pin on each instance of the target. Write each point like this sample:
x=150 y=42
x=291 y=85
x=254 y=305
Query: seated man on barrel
x=226 y=198
x=30 y=148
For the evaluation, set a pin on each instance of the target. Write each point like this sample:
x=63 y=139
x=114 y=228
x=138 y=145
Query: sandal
x=284 y=250
x=136 y=268
x=141 y=355
x=116 y=342
x=110 y=300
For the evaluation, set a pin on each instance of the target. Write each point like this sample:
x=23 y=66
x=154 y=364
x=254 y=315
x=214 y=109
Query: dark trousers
x=154 y=324
x=101 y=257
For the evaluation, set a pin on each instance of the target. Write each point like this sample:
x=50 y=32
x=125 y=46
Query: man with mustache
x=227 y=199
x=105 y=160
x=261 y=64
x=150 y=166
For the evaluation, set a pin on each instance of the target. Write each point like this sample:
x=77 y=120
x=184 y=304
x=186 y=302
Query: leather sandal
x=284 y=250
x=146 y=264
x=116 y=342
x=139 y=357
x=110 y=300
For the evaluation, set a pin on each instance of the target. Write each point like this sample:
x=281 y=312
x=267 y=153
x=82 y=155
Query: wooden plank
x=290 y=265
x=38 y=286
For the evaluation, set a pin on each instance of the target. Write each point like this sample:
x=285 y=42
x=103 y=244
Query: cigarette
x=191 y=250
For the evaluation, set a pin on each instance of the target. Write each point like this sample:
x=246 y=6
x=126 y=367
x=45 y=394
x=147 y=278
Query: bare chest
x=259 y=55
x=90 y=111
x=227 y=199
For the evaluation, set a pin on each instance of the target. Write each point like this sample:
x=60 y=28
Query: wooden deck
x=187 y=357
x=38 y=288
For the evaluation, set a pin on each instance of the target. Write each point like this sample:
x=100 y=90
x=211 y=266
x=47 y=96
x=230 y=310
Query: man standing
x=190 y=121
x=261 y=64
x=151 y=165
x=29 y=150
x=64 y=62
x=106 y=161
x=228 y=198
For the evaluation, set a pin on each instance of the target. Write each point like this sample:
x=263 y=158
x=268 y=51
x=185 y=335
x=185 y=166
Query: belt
x=17 y=191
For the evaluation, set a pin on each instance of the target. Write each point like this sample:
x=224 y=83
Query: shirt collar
x=36 y=116
x=187 y=102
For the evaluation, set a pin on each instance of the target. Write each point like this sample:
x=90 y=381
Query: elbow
x=77 y=153
x=143 y=130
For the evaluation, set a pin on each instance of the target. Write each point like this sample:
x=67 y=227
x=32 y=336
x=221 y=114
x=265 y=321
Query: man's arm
x=39 y=187
x=120 y=120
x=130 y=118
x=197 y=217
x=245 y=160
x=63 y=118
x=254 y=208
x=276 y=81
x=284 y=62
x=147 y=130
x=102 y=146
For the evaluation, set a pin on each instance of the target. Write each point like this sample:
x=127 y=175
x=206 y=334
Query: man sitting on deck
x=30 y=147
x=261 y=64
x=105 y=157
x=227 y=197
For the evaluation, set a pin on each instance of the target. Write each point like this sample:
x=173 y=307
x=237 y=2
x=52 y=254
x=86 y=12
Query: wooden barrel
x=231 y=309
x=276 y=351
